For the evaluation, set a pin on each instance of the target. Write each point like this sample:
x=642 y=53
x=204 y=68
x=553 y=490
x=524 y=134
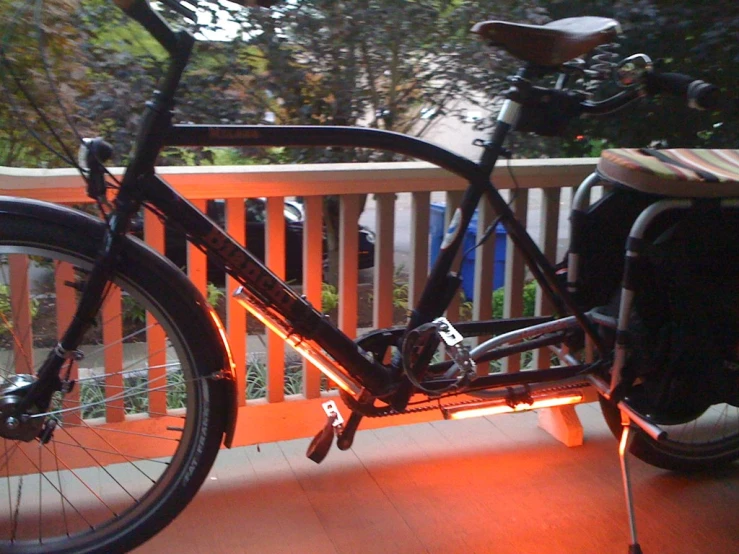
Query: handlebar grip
x=699 y=94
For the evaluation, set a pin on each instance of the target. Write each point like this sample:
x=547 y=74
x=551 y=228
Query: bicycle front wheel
x=133 y=430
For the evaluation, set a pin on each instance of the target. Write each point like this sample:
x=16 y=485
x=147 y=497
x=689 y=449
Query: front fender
x=204 y=333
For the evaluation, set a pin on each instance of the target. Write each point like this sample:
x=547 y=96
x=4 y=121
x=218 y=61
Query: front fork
x=47 y=382
x=157 y=117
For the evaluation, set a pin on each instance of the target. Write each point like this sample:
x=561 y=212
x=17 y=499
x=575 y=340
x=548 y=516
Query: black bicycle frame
x=478 y=175
x=433 y=300
x=272 y=291
x=140 y=185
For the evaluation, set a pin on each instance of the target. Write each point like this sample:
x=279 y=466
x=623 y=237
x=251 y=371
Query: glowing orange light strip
x=303 y=347
x=623 y=443
x=500 y=407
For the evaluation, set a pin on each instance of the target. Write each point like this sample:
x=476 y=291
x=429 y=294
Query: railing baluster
x=515 y=271
x=275 y=183
x=113 y=356
x=66 y=304
x=561 y=422
x=312 y=278
x=482 y=307
x=549 y=225
x=235 y=313
x=274 y=249
x=156 y=338
x=382 y=305
x=419 y=262
x=348 y=263
x=453 y=199
x=196 y=259
x=20 y=313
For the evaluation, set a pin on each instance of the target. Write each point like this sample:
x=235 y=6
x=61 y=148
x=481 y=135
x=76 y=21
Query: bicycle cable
x=490 y=228
x=40 y=35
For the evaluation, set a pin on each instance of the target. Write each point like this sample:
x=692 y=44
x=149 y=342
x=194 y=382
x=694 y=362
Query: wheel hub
x=12 y=426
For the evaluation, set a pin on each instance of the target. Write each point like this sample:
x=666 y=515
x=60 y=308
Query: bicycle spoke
x=76 y=476
x=61 y=492
x=133 y=391
x=18 y=341
x=127 y=458
x=7 y=478
x=8 y=455
x=16 y=512
x=128 y=372
x=101 y=466
x=130 y=458
x=122 y=339
x=126 y=432
x=105 y=453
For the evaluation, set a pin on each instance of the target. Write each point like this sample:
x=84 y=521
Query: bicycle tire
x=142 y=494
x=698 y=445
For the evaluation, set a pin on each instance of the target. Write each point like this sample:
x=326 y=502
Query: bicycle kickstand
x=627 y=436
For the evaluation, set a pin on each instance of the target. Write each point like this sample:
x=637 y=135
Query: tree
x=87 y=67
x=377 y=63
x=696 y=39
x=24 y=73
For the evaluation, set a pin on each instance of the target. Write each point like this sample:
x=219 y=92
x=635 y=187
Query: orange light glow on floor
x=501 y=407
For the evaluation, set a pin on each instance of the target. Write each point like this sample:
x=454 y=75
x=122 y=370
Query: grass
x=136 y=400
x=256 y=379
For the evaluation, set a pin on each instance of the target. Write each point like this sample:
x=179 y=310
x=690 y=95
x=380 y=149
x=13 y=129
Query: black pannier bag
x=599 y=236
x=685 y=319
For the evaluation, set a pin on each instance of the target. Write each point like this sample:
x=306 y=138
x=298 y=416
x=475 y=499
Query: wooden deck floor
x=488 y=485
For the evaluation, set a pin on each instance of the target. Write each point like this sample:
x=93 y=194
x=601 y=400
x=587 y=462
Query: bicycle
x=182 y=389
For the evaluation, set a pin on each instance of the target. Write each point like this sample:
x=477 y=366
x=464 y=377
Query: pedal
x=456 y=348
x=321 y=443
x=346 y=436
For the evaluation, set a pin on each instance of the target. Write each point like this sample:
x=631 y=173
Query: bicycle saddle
x=681 y=172
x=552 y=44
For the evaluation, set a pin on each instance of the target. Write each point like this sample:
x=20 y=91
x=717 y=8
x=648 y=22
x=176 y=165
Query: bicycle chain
x=433 y=404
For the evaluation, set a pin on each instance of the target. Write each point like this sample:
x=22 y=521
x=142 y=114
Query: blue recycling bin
x=437 y=230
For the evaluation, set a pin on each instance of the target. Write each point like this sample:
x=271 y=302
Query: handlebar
x=699 y=94
x=141 y=11
x=547 y=111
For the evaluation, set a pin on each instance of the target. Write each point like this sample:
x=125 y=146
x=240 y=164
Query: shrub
x=6 y=316
x=329 y=297
x=529 y=300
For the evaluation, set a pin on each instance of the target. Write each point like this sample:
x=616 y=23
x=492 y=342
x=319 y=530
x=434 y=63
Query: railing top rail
x=65 y=185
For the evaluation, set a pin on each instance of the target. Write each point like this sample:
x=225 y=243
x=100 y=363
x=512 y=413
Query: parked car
x=255 y=208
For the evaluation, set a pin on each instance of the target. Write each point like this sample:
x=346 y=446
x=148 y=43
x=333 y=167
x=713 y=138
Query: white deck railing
x=539 y=201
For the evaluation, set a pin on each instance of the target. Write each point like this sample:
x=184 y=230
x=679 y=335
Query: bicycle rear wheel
x=706 y=442
x=130 y=439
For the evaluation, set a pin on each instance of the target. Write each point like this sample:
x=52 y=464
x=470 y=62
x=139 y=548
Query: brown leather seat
x=552 y=44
